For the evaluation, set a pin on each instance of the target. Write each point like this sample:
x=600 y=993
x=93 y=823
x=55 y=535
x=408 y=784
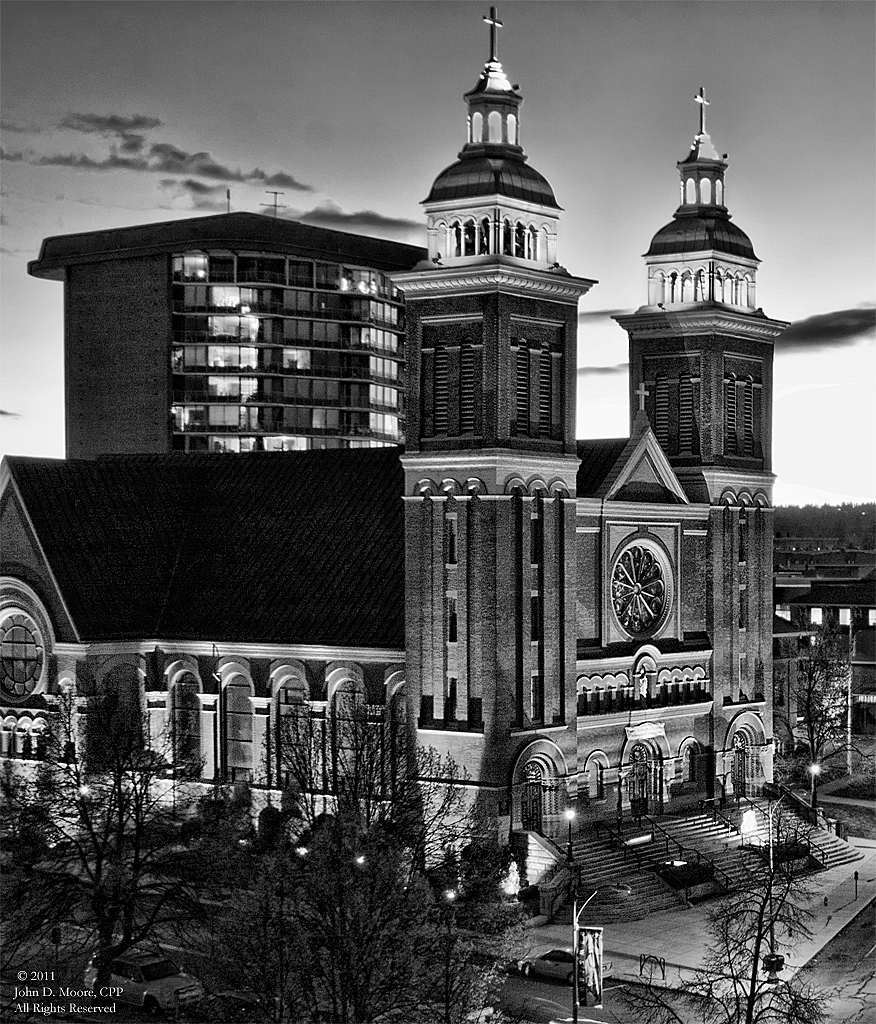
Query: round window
x=21 y=655
x=640 y=589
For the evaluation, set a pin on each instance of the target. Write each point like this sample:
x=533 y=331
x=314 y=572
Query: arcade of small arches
x=482 y=236
x=500 y=130
x=606 y=693
x=23 y=736
x=647 y=776
x=702 y=191
x=733 y=288
x=534 y=487
x=744 y=499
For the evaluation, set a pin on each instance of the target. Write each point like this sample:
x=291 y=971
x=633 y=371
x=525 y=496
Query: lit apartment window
x=452 y=620
x=816 y=616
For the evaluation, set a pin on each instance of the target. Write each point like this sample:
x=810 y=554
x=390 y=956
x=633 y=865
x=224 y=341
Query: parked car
x=149 y=980
x=558 y=964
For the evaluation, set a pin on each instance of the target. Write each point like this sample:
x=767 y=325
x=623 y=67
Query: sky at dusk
x=121 y=113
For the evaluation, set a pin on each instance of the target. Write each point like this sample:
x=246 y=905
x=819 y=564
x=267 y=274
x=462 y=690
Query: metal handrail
x=701 y=857
x=615 y=834
x=719 y=814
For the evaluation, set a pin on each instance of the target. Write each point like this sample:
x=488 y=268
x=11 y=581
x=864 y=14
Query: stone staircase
x=605 y=866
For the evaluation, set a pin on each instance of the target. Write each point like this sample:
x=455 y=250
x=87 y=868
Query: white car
x=148 y=980
x=559 y=964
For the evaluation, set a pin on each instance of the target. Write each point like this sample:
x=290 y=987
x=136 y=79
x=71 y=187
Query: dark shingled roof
x=226 y=230
x=292 y=548
x=699 y=228
x=825 y=593
x=501 y=175
x=597 y=459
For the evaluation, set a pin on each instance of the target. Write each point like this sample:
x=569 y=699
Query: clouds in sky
x=828 y=330
x=329 y=215
x=603 y=371
x=130 y=150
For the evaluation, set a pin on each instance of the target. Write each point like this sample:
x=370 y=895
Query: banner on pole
x=589 y=966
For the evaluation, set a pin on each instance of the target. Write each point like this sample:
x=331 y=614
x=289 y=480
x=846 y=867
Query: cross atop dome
x=703 y=102
x=494 y=23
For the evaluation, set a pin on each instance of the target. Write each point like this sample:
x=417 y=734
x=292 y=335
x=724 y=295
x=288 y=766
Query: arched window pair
x=494 y=128
x=522 y=240
x=469 y=238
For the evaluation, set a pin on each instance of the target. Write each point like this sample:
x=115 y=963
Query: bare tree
x=821 y=696
x=738 y=981
x=96 y=833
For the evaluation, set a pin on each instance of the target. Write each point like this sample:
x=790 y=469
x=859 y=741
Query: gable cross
x=494 y=24
x=703 y=102
x=643 y=394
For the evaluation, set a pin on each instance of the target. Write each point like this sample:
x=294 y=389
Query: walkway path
x=681 y=936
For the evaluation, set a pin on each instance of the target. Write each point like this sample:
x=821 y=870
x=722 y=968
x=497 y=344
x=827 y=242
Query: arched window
x=468 y=248
x=673 y=287
x=690 y=189
x=186 y=724
x=543 y=244
x=477 y=127
x=728 y=289
x=719 y=193
x=657 y=289
x=686 y=287
x=719 y=285
x=706 y=191
x=238 y=729
x=595 y=780
x=484 y=236
x=494 y=126
x=700 y=286
x=512 y=130
x=532 y=244
x=744 y=289
x=507 y=238
x=456 y=231
x=520 y=240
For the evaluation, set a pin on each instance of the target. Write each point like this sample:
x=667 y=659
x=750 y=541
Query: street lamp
x=570 y=817
x=773 y=962
x=814 y=771
x=576 y=917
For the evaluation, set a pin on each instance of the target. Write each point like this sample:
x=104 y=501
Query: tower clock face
x=21 y=656
x=639 y=590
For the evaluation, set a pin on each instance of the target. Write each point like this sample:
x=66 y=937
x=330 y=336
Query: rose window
x=21 y=655
x=638 y=589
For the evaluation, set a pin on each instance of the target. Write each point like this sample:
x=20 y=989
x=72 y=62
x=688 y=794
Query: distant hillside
x=854 y=526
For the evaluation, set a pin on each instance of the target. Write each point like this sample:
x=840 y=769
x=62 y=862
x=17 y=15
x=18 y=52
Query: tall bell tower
x=703 y=350
x=490 y=463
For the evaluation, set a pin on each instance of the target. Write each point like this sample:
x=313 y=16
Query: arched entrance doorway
x=742 y=768
x=532 y=805
x=645 y=781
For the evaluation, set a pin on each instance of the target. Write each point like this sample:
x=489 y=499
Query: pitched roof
x=597 y=460
x=291 y=547
x=840 y=592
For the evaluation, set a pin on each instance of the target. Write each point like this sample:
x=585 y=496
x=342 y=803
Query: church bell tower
x=490 y=462
x=701 y=354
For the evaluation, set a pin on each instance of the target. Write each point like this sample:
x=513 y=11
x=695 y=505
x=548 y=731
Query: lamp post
x=814 y=771
x=570 y=817
x=576 y=916
x=773 y=962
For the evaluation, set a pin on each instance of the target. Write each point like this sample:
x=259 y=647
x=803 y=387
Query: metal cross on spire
x=495 y=25
x=703 y=102
x=643 y=394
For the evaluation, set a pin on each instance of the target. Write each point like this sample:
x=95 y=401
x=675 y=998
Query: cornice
x=651 y=322
x=208 y=648
x=638 y=513
x=494 y=276
x=591 y=722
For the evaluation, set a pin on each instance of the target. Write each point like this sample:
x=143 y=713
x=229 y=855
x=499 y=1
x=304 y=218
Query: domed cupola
x=491 y=202
x=700 y=256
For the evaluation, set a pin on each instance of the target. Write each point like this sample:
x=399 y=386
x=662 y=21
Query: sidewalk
x=680 y=936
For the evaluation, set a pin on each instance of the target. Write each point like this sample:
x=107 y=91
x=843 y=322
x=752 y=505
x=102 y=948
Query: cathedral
x=582 y=624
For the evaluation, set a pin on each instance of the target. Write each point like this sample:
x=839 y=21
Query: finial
x=703 y=102
x=643 y=394
x=494 y=24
